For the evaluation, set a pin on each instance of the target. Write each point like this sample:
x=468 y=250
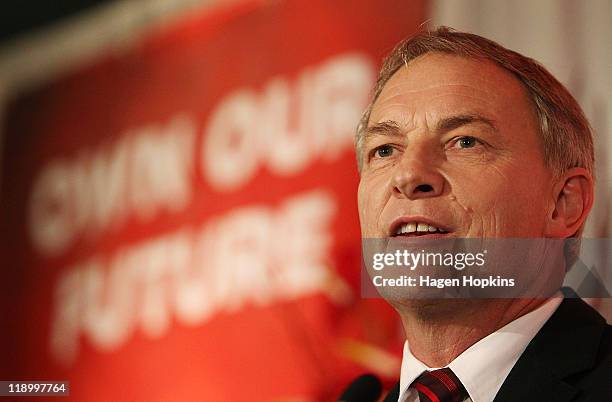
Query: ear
x=572 y=199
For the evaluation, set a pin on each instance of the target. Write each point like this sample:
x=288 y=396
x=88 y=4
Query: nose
x=416 y=177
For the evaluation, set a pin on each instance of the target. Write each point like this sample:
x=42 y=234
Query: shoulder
x=570 y=359
x=575 y=346
x=595 y=381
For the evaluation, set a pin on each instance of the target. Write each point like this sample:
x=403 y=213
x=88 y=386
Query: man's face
x=452 y=143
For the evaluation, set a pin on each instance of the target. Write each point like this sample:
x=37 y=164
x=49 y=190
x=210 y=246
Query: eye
x=467 y=142
x=383 y=151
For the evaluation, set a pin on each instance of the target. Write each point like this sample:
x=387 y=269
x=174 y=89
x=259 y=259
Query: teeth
x=408 y=228
x=417 y=227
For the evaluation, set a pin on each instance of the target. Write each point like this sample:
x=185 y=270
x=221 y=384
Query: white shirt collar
x=483 y=367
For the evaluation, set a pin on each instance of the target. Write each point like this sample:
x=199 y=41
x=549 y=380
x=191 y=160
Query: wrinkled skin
x=492 y=184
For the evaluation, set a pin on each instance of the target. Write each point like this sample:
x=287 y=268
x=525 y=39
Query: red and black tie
x=439 y=386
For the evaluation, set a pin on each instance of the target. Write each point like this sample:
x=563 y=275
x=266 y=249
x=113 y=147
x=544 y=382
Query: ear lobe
x=573 y=202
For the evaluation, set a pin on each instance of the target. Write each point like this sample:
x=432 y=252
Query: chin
x=434 y=308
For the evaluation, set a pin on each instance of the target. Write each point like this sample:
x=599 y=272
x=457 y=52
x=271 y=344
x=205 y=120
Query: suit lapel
x=567 y=344
x=530 y=382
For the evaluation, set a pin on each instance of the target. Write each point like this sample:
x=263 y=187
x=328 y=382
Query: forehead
x=435 y=85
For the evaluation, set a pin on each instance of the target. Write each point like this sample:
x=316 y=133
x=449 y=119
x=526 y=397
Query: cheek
x=370 y=203
x=478 y=191
x=506 y=201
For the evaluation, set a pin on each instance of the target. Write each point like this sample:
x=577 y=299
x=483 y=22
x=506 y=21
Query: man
x=467 y=139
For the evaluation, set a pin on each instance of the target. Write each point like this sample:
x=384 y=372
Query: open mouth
x=418 y=229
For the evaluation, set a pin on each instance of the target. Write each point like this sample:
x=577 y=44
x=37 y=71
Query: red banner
x=179 y=221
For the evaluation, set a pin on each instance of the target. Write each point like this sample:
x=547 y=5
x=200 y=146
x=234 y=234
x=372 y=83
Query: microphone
x=366 y=388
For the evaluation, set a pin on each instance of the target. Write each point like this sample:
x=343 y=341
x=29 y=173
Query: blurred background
x=178 y=186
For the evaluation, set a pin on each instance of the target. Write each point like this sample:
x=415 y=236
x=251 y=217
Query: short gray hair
x=564 y=130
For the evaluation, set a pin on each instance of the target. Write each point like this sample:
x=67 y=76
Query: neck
x=438 y=331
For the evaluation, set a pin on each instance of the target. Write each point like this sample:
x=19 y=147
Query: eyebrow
x=392 y=129
x=453 y=122
x=388 y=128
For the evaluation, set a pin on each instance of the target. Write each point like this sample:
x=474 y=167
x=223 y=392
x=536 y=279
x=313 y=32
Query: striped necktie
x=439 y=386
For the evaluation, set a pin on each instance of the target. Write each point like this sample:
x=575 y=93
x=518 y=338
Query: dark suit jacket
x=570 y=359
